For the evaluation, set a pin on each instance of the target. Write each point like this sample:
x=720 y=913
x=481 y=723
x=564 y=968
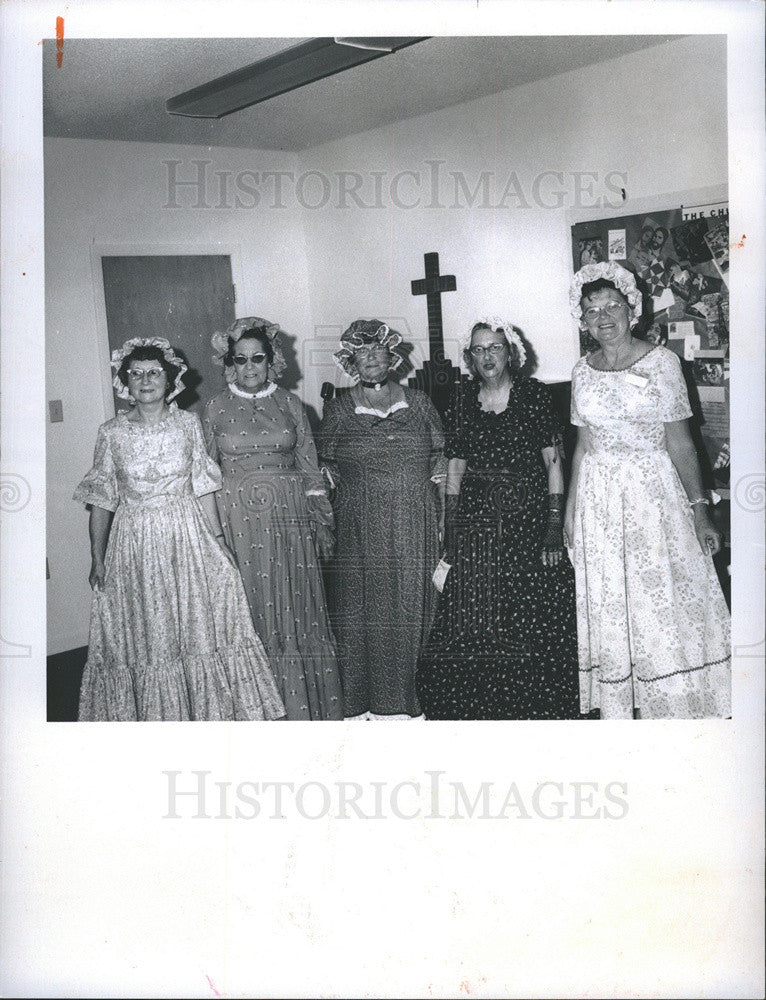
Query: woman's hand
x=98 y=527
x=708 y=536
x=97 y=576
x=683 y=455
x=553 y=546
x=552 y=557
x=324 y=541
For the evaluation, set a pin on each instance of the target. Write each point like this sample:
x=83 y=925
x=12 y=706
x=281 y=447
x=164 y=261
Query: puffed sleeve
x=205 y=475
x=438 y=458
x=208 y=433
x=574 y=414
x=99 y=487
x=454 y=439
x=329 y=430
x=307 y=462
x=672 y=397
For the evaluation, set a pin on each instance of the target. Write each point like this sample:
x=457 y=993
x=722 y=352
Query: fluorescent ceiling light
x=288 y=70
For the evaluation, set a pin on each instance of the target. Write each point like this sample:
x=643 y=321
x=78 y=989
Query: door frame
x=187 y=249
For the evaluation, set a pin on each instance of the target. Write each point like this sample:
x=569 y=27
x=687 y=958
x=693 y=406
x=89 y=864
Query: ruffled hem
x=228 y=684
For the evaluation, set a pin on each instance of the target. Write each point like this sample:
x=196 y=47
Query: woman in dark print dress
x=276 y=515
x=504 y=643
x=382 y=446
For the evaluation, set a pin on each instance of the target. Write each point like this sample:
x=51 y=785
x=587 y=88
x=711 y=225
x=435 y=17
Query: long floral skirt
x=653 y=626
x=171 y=637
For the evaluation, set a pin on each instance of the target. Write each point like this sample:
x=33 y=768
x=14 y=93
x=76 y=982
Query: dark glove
x=553 y=539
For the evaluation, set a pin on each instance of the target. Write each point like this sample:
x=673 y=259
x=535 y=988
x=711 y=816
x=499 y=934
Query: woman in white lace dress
x=171 y=636
x=653 y=626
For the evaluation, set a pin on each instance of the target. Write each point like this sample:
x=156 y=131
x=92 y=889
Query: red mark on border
x=210 y=984
x=59 y=41
x=740 y=244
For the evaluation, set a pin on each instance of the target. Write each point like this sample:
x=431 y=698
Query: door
x=184 y=299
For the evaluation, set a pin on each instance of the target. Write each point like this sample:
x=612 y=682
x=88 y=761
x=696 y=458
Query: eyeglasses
x=257 y=359
x=139 y=374
x=611 y=309
x=493 y=349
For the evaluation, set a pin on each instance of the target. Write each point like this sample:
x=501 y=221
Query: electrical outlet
x=56 y=408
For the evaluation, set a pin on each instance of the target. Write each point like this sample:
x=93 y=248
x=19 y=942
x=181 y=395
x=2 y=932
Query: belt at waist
x=519 y=470
x=137 y=503
x=623 y=453
x=234 y=464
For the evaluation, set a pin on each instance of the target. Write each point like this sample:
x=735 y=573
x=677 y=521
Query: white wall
x=658 y=117
x=116 y=194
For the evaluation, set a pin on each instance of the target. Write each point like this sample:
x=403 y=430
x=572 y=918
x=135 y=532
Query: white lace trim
x=401 y=405
x=272 y=387
x=371 y=717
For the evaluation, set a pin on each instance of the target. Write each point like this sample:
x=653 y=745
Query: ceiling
x=117 y=88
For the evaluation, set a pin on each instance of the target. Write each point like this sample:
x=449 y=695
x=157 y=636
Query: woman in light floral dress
x=171 y=636
x=653 y=626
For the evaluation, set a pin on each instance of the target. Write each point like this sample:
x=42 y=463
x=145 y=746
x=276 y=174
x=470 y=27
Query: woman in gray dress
x=382 y=446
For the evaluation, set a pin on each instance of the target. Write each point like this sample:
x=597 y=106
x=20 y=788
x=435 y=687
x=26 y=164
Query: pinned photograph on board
x=591 y=251
x=689 y=240
x=717 y=240
x=708 y=371
x=617 y=249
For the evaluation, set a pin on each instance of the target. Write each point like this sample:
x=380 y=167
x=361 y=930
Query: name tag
x=638 y=380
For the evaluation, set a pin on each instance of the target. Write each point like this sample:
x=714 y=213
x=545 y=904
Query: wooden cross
x=432 y=287
x=438 y=377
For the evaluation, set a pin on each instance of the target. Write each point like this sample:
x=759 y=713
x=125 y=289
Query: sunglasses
x=257 y=359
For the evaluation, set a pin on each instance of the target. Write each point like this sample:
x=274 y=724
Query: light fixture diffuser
x=280 y=73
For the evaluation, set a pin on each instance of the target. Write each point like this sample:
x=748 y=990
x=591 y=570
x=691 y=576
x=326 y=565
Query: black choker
x=377 y=386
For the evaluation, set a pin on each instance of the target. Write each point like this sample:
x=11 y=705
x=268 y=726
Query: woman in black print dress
x=504 y=643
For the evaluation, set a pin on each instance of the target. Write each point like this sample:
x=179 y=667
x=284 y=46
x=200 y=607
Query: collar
x=401 y=405
x=270 y=388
